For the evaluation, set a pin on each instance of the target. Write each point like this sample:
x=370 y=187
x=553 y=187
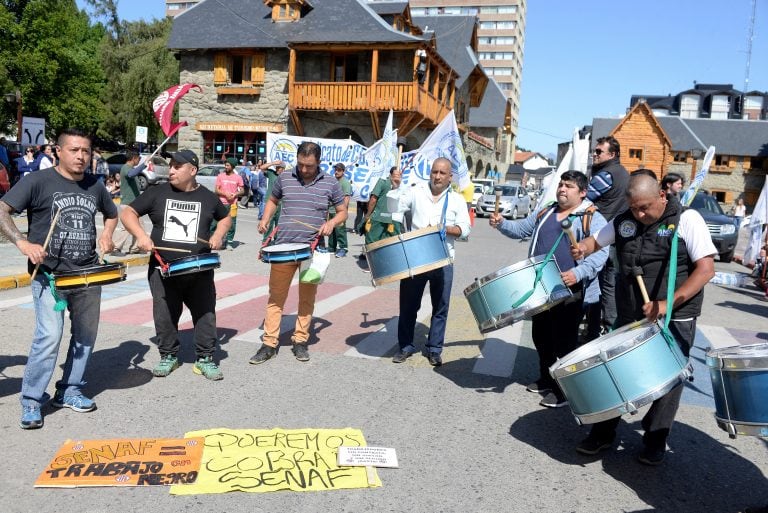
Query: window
x=245 y=69
x=721 y=105
x=689 y=106
x=344 y=68
x=721 y=160
x=680 y=156
x=489 y=10
x=507 y=9
x=505 y=25
x=488 y=25
x=636 y=153
x=753 y=102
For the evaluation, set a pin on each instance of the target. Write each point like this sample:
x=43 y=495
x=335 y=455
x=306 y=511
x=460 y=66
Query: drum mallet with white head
x=638 y=272
x=566 y=225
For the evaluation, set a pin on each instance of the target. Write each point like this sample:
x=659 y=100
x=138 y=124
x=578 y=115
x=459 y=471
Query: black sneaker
x=264 y=353
x=553 y=400
x=591 y=446
x=434 y=359
x=539 y=387
x=651 y=456
x=301 y=352
x=401 y=356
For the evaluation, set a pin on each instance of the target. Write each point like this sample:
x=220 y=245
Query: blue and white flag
x=757 y=220
x=698 y=178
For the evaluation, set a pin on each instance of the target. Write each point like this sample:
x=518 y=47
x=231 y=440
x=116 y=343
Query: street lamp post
x=16 y=98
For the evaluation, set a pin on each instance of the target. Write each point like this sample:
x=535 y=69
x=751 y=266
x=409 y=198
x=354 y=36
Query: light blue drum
x=287 y=252
x=492 y=298
x=406 y=255
x=740 y=386
x=191 y=264
x=620 y=372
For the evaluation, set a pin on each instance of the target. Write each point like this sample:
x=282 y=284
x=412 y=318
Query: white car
x=206 y=175
x=514 y=202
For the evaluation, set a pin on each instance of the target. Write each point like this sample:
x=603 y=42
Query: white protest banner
x=283 y=147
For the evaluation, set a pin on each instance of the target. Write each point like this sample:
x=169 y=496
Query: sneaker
x=207 y=367
x=539 y=387
x=165 y=366
x=553 y=400
x=78 y=403
x=401 y=356
x=435 y=360
x=651 y=456
x=31 y=418
x=591 y=446
x=301 y=352
x=264 y=353
x=341 y=253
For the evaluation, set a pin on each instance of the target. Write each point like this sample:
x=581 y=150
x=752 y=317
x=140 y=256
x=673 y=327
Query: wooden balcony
x=410 y=99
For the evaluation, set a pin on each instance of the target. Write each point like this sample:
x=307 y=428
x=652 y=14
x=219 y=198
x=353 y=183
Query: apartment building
x=501 y=39
x=176 y=7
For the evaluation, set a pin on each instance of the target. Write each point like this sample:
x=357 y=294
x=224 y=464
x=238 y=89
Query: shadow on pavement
x=756 y=308
x=700 y=473
x=10 y=385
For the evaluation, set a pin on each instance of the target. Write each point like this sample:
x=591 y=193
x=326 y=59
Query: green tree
x=53 y=61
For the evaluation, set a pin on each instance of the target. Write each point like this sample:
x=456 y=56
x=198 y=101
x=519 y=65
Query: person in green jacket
x=381 y=223
x=337 y=240
x=272 y=170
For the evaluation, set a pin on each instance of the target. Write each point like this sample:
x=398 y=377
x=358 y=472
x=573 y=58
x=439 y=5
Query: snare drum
x=190 y=264
x=492 y=298
x=620 y=372
x=406 y=255
x=89 y=276
x=288 y=252
x=740 y=386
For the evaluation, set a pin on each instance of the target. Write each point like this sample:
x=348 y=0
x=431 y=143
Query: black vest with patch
x=649 y=247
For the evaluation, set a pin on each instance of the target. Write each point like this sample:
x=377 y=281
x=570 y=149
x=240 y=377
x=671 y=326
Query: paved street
x=468 y=435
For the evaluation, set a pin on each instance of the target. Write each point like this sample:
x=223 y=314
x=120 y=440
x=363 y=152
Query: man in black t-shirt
x=181 y=211
x=68 y=194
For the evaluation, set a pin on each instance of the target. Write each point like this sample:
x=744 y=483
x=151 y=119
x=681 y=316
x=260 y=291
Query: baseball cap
x=339 y=165
x=186 y=157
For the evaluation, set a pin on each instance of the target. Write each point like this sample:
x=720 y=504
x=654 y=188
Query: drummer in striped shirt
x=304 y=195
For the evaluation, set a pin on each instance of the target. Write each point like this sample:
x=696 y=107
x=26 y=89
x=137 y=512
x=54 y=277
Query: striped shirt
x=306 y=203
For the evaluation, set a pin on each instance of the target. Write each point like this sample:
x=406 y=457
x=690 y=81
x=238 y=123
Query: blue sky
x=584 y=59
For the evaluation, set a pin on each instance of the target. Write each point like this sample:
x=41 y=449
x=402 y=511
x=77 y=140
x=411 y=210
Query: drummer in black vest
x=643 y=237
x=607 y=187
x=556 y=330
x=181 y=212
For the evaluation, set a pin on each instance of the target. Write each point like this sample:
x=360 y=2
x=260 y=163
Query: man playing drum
x=556 y=330
x=181 y=212
x=643 y=236
x=70 y=197
x=431 y=204
x=303 y=195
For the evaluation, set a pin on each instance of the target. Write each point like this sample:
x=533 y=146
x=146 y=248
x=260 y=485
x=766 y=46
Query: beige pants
x=280 y=277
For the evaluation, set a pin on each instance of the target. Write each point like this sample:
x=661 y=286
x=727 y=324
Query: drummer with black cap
x=181 y=212
x=644 y=235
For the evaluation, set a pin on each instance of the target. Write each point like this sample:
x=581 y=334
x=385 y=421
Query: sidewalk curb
x=16 y=281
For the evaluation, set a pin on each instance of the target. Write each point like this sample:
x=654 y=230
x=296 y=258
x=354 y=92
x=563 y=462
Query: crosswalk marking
x=718 y=336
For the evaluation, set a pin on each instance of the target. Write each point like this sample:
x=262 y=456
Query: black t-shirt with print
x=73 y=241
x=179 y=218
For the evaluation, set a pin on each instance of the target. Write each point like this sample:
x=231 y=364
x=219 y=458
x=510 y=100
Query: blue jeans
x=411 y=290
x=84 y=307
x=261 y=193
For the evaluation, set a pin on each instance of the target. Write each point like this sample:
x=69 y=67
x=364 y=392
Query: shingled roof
x=453 y=34
x=492 y=110
x=729 y=136
x=214 y=24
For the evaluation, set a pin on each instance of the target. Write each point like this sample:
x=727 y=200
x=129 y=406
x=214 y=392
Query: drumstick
x=173 y=249
x=200 y=239
x=497 y=192
x=566 y=225
x=47 y=241
x=303 y=224
x=638 y=272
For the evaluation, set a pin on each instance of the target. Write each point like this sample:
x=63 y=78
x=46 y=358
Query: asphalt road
x=468 y=436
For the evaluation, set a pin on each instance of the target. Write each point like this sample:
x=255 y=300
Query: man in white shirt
x=431 y=204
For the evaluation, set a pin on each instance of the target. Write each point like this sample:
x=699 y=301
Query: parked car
x=477 y=194
x=157 y=172
x=721 y=228
x=206 y=175
x=514 y=201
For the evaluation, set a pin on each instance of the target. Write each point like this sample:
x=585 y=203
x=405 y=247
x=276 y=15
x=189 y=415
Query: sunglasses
x=598 y=151
x=30 y=151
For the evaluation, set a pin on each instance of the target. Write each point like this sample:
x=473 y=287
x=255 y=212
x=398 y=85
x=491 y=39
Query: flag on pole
x=757 y=220
x=445 y=141
x=698 y=178
x=163 y=107
x=389 y=146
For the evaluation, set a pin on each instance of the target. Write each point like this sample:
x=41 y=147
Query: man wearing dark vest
x=643 y=237
x=607 y=186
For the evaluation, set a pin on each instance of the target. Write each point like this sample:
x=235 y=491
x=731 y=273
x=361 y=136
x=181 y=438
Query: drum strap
x=61 y=303
x=164 y=266
x=671 y=280
x=539 y=271
x=442 y=217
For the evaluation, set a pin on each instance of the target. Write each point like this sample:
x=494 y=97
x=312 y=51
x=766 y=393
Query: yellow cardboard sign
x=255 y=460
x=124 y=462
